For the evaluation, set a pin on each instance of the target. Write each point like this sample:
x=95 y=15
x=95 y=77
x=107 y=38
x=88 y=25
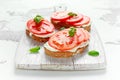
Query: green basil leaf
x=93 y=53
x=72 y=31
x=34 y=49
x=38 y=19
x=72 y=14
x=62 y=28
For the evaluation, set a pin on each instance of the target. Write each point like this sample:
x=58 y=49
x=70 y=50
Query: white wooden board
x=25 y=60
x=40 y=61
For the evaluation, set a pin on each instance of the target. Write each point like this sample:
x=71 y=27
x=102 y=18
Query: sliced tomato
x=62 y=41
x=84 y=21
x=86 y=35
x=60 y=16
x=43 y=27
x=80 y=35
x=75 y=19
x=31 y=23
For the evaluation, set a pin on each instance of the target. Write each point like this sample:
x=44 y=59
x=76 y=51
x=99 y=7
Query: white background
x=105 y=15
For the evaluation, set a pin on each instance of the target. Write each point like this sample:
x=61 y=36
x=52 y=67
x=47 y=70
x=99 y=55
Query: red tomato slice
x=75 y=19
x=60 y=16
x=43 y=27
x=84 y=21
x=62 y=41
x=31 y=23
x=80 y=35
x=86 y=34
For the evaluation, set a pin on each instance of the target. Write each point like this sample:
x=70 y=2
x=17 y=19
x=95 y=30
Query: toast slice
x=36 y=37
x=66 y=54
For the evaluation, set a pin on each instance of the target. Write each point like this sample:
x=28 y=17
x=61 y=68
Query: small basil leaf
x=34 y=49
x=93 y=53
x=62 y=28
x=72 y=14
x=72 y=31
x=38 y=19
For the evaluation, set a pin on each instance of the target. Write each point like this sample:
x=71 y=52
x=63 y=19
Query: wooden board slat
x=25 y=60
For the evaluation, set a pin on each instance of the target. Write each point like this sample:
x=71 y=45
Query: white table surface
x=105 y=15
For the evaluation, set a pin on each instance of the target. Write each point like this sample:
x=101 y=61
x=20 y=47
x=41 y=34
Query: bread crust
x=36 y=37
x=88 y=28
x=67 y=54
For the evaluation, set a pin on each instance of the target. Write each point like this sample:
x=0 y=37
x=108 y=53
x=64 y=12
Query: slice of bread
x=36 y=37
x=66 y=54
x=88 y=28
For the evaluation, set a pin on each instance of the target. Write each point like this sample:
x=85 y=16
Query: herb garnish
x=38 y=19
x=72 y=14
x=72 y=31
x=62 y=28
x=93 y=53
x=34 y=49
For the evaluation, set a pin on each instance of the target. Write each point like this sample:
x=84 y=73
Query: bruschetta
x=40 y=29
x=67 y=19
x=67 y=42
